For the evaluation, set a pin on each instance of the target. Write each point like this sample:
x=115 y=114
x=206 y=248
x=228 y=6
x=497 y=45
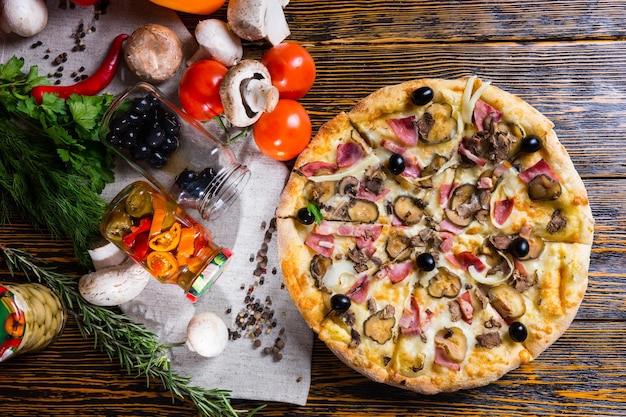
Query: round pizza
x=437 y=235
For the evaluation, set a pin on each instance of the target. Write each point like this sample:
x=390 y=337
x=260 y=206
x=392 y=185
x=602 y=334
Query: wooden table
x=566 y=57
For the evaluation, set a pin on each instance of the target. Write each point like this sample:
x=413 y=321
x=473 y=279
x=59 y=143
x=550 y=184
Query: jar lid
x=211 y=273
x=13 y=323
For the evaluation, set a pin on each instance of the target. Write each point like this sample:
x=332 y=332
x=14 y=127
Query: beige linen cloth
x=276 y=367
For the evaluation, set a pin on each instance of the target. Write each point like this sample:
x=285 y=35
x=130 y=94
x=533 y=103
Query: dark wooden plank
x=407 y=21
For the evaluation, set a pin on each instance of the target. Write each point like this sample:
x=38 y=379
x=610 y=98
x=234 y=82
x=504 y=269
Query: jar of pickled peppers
x=173 y=151
x=157 y=233
x=32 y=317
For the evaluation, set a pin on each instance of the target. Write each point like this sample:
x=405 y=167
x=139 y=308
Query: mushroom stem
x=259 y=95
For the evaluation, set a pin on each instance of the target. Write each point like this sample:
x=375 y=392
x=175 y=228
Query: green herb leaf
x=315 y=211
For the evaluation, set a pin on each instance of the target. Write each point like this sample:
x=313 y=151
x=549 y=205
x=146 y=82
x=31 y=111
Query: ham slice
x=448 y=226
x=469 y=155
x=467 y=308
x=396 y=271
x=404 y=129
x=481 y=111
x=322 y=244
x=313 y=168
x=539 y=168
x=358 y=292
x=348 y=154
x=502 y=210
x=441 y=358
x=467 y=259
x=414 y=321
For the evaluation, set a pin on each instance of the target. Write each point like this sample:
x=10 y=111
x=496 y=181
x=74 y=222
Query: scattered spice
x=257 y=319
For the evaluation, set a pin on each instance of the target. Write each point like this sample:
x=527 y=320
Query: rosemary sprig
x=137 y=349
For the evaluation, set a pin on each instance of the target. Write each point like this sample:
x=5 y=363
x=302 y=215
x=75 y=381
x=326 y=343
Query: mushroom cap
x=247 y=18
x=153 y=52
x=24 y=18
x=246 y=92
x=207 y=334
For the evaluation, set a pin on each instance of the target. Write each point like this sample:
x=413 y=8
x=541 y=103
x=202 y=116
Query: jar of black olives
x=173 y=151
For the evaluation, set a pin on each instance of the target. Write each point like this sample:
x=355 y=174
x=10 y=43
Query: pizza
x=437 y=235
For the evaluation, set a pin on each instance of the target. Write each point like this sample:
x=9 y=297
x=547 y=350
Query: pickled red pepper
x=95 y=83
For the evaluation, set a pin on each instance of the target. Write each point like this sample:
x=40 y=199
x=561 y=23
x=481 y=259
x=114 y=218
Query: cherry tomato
x=85 y=2
x=291 y=68
x=191 y=6
x=285 y=132
x=199 y=89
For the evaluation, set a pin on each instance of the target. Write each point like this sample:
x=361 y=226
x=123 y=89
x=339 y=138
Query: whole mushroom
x=207 y=334
x=23 y=17
x=153 y=52
x=216 y=41
x=246 y=92
x=257 y=19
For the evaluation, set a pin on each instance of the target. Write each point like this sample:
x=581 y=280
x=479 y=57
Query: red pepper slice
x=92 y=85
x=130 y=239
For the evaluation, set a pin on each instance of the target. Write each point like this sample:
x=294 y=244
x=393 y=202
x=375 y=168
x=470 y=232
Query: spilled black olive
x=422 y=96
x=519 y=247
x=305 y=216
x=396 y=164
x=425 y=261
x=340 y=302
x=531 y=143
x=518 y=332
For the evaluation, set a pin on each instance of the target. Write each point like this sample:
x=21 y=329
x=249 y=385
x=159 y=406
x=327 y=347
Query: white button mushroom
x=114 y=285
x=207 y=334
x=246 y=92
x=216 y=41
x=23 y=17
x=257 y=19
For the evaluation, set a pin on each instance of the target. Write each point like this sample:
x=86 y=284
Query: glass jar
x=32 y=317
x=156 y=233
x=173 y=151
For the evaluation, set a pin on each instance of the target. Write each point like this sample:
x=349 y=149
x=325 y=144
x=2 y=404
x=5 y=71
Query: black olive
x=186 y=176
x=396 y=164
x=118 y=124
x=519 y=247
x=170 y=145
x=305 y=216
x=518 y=331
x=531 y=143
x=422 y=96
x=137 y=119
x=141 y=105
x=140 y=152
x=155 y=138
x=171 y=124
x=208 y=173
x=114 y=139
x=340 y=302
x=157 y=159
x=425 y=261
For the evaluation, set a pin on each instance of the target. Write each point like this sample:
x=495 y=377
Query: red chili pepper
x=144 y=226
x=92 y=85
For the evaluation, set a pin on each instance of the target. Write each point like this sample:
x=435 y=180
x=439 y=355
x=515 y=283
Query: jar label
x=13 y=324
x=210 y=274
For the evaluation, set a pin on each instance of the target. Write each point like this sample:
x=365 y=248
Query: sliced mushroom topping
x=431 y=169
x=408 y=209
x=318 y=267
x=319 y=192
x=437 y=124
x=453 y=341
x=444 y=284
x=348 y=186
x=379 y=326
x=364 y=211
x=507 y=301
x=489 y=340
x=557 y=222
x=398 y=247
x=542 y=188
x=464 y=204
